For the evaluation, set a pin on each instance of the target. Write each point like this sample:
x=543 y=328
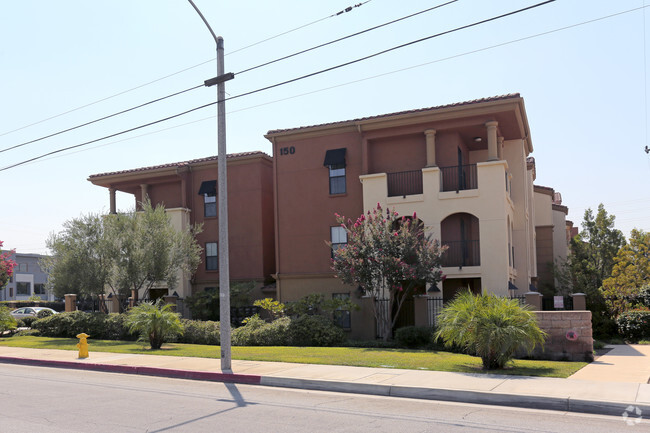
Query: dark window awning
x=334 y=157
x=208 y=187
x=512 y=286
x=532 y=288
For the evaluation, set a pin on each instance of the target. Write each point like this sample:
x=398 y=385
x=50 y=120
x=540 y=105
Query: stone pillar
x=114 y=305
x=144 y=188
x=421 y=306
x=70 y=303
x=131 y=302
x=364 y=326
x=493 y=154
x=113 y=206
x=500 y=148
x=579 y=301
x=534 y=299
x=431 y=147
x=171 y=299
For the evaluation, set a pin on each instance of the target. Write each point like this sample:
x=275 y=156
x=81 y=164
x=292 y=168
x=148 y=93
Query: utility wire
x=351 y=62
x=100 y=119
x=278 y=84
x=241 y=72
x=107 y=136
x=346 y=37
x=348 y=9
x=371 y=78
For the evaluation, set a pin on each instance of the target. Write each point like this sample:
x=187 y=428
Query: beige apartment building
x=462 y=168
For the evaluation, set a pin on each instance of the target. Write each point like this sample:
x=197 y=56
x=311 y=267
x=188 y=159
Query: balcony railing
x=459 y=178
x=462 y=253
x=404 y=183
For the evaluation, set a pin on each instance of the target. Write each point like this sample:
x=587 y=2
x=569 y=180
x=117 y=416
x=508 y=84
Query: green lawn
x=352 y=356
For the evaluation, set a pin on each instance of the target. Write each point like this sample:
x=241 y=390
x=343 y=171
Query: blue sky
x=584 y=89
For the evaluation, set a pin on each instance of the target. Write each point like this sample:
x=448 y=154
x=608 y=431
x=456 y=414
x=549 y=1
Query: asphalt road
x=38 y=399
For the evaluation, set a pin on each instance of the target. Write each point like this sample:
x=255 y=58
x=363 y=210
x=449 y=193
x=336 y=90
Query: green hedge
x=99 y=326
x=55 y=305
x=200 y=332
x=634 y=325
x=414 y=337
x=303 y=331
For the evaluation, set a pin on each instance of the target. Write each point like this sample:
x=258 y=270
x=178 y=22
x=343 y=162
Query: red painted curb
x=145 y=371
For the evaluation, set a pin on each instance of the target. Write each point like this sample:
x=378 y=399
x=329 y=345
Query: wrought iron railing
x=404 y=183
x=462 y=253
x=459 y=177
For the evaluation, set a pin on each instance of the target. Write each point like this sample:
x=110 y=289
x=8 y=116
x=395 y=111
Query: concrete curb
x=565 y=404
x=144 y=371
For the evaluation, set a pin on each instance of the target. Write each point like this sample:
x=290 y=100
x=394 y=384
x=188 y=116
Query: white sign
x=558 y=301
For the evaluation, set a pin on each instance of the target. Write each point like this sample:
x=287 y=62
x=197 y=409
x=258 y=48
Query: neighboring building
x=188 y=190
x=462 y=168
x=552 y=232
x=28 y=279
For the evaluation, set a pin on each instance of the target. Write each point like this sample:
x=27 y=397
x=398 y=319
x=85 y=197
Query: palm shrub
x=155 y=322
x=7 y=321
x=488 y=326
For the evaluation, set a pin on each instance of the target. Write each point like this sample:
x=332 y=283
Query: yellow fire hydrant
x=83 y=345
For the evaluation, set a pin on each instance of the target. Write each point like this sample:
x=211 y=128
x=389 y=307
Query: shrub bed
x=98 y=325
x=414 y=337
x=200 y=332
x=55 y=305
x=303 y=331
x=634 y=325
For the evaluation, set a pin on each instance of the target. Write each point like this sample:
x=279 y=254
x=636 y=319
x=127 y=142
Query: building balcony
x=404 y=183
x=459 y=178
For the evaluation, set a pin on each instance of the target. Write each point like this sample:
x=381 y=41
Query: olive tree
x=120 y=253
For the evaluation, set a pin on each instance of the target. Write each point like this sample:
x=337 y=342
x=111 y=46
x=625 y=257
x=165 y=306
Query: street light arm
x=204 y=20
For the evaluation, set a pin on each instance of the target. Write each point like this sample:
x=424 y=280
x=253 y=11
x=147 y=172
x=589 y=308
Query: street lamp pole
x=224 y=267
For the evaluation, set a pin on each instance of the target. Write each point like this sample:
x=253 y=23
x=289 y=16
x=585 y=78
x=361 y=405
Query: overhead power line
x=100 y=119
x=346 y=37
x=281 y=83
x=372 y=77
x=348 y=9
x=241 y=72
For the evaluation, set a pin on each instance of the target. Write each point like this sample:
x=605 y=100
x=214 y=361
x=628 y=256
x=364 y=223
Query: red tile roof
x=419 y=110
x=178 y=164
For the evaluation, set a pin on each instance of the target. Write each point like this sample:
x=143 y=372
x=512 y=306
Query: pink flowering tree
x=7 y=266
x=388 y=256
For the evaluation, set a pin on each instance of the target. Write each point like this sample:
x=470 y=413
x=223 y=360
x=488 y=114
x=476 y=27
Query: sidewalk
x=593 y=395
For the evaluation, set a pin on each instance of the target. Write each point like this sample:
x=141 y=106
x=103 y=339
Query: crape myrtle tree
x=120 y=252
x=7 y=266
x=388 y=256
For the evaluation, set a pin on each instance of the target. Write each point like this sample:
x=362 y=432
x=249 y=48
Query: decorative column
x=500 y=148
x=534 y=299
x=111 y=192
x=493 y=154
x=145 y=192
x=431 y=147
x=579 y=301
x=70 y=302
